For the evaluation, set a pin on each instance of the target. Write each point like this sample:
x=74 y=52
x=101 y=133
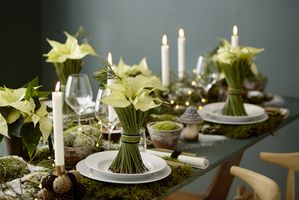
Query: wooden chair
x=264 y=187
x=289 y=161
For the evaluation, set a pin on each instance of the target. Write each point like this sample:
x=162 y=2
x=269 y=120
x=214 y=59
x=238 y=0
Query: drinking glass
x=206 y=72
x=101 y=112
x=78 y=93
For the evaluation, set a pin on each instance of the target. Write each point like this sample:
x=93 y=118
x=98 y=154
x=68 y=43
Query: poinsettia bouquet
x=68 y=57
x=123 y=70
x=235 y=62
x=132 y=98
x=23 y=115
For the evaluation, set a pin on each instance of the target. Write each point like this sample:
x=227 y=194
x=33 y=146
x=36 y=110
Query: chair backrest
x=289 y=161
x=264 y=187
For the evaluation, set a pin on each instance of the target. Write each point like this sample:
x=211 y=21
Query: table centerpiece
x=132 y=98
x=68 y=59
x=235 y=62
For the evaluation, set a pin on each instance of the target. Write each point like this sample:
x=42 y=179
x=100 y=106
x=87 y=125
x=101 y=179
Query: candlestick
x=111 y=112
x=165 y=61
x=181 y=54
x=57 y=101
x=235 y=37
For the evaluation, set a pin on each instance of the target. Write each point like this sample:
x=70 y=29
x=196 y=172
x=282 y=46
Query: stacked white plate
x=96 y=166
x=212 y=113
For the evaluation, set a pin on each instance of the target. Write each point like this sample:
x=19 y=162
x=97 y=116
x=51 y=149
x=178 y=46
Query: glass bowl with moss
x=77 y=146
x=165 y=134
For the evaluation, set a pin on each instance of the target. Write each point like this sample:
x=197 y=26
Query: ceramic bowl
x=167 y=139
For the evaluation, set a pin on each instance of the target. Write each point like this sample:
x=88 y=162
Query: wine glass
x=105 y=114
x=78 y=93
x=206 y=72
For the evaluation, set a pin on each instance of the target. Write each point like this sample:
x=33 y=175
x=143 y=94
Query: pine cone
x=47 y=182
x=62 y=184
x=44 y=194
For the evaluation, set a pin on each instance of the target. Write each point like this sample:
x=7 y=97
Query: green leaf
x=31 y=91
x=30 y=137
x=15 y=128
x=33 y=82
x=3 y=126
x=13 y=116
x=43 y=94
x=45 y=126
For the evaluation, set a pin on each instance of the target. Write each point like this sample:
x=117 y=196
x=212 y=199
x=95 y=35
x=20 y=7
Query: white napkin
x=207 y=140
x=196 y=162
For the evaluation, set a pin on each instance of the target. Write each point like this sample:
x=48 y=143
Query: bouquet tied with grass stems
x=132 y=98
x=68 y=57
x=235 y=64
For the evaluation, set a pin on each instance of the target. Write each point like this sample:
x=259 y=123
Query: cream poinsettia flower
x=134 y=91
x=123 y=69
x=227 y=54
x=24 y=108
x=69 y=50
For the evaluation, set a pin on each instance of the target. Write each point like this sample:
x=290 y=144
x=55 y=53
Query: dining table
x=226 y=154
x=223 y=155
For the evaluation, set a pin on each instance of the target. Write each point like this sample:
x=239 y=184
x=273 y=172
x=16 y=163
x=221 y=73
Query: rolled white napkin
x=196 y=162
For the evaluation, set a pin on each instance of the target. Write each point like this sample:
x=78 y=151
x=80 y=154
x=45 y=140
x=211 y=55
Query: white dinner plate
x=86 y=171
x=101 y=161
x=212 y=113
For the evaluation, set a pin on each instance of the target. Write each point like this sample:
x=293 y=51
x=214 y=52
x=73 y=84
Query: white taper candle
x=57 y=101
x=181 y=54
x=165 y=61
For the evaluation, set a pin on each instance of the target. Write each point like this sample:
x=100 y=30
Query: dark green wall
x=19 y=42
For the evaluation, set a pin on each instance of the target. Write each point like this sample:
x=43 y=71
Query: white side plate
x=212 y=113
x=86 y=171
x=101 y=161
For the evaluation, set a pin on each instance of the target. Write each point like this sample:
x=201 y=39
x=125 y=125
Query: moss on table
x=102 y=190
x=12 y=167
x=245 y=131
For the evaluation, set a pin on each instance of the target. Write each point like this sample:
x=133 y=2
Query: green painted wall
x=19 y=42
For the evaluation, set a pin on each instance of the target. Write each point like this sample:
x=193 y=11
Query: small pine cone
x=44 y=194
x=76 y=174
x=47 y=182
x=62 y=184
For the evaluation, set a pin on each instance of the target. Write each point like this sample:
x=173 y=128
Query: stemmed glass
x=206 y=72
x=78 y=93
x=101 y=111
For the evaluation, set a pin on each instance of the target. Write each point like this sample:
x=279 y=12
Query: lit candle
x=235 y=37
x=181 y=54
x=111 y=112
x=165 y=61
x=57 y=101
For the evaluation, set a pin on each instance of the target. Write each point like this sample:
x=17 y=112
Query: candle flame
x=109 y=58
x=164 y=40
x=57 y=87
x=235 y=30
x=181 y=32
